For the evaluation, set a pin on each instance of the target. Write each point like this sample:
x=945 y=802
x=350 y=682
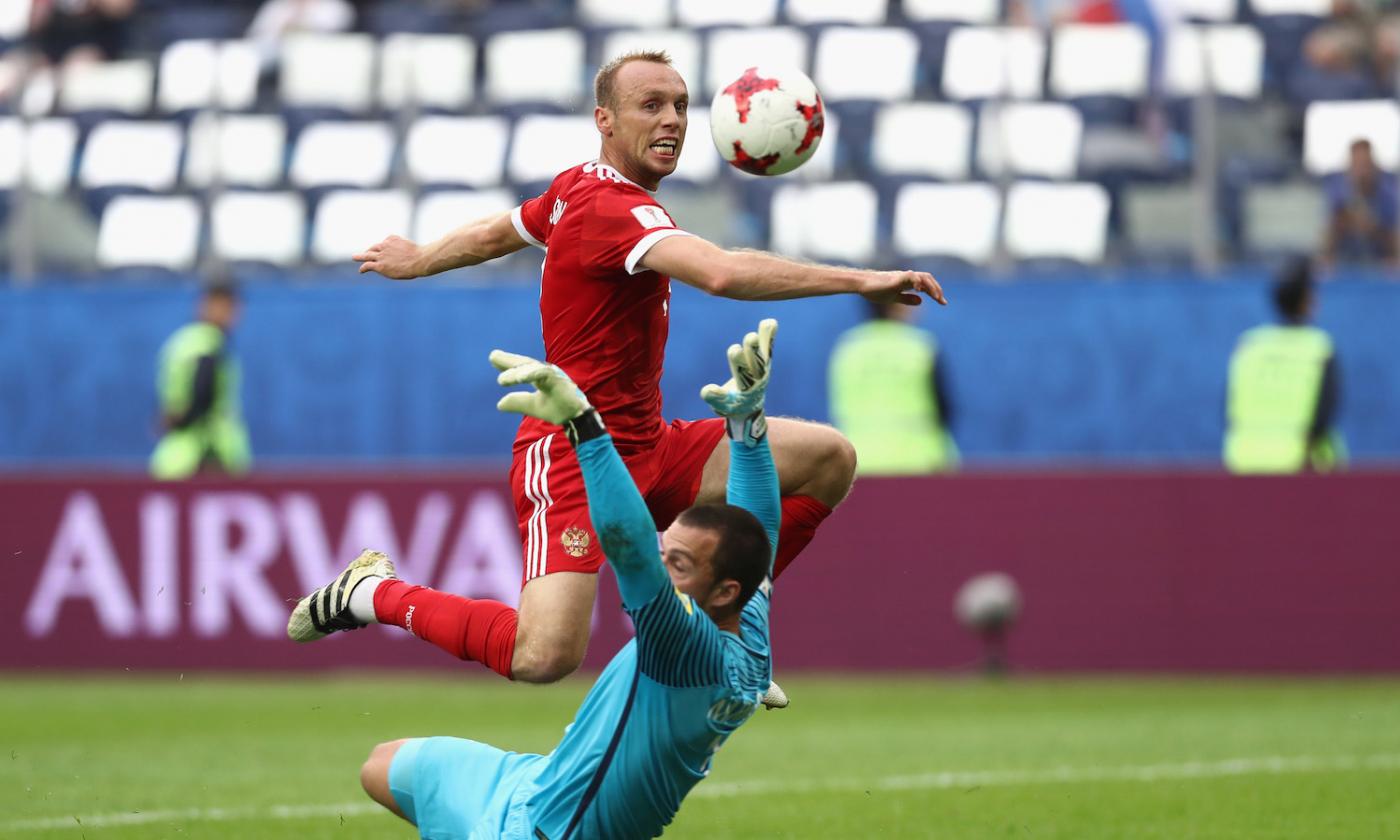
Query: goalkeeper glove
x=740 y=400
x=556 y=399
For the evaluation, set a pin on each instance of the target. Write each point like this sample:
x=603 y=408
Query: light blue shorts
x=451 y=787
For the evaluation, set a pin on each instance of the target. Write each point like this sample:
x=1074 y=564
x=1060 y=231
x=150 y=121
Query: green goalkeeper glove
x=740 y=400
x=556 y=399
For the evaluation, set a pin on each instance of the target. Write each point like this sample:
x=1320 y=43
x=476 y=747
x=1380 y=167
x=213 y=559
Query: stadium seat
x=545 y=145
x=349 y=220
x=923 y=138
x=1329 y=128
x=123 y=153
x=1310 y=8
x=434 y=150
x=953 y=11
x=731 y=51
x=1088 y=60
x=155 y=231
x=438 y=213
x=1029 y=138
x=1235 y=55
x=259 y=227
x=246 y=150
x=984 y=62
x=703 y=13
x=947 y=220
x=1159 y=220
x=1213 y=11
x=834 y=221
x=852 y=12
x=357 y=154
x=14 y=19
x=328 y=71
x=643 y=14
x=699 y=162
x=1056 y=222
x=866 y=64
x=39 y=94
x=555 y=61
x=1287 y=218
x=49 y=149
x=682 y=45
x=206 y=74
x=437 y=71
x=126 y=87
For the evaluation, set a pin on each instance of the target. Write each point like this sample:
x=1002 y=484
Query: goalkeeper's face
x=688 y=552
x=644 y=128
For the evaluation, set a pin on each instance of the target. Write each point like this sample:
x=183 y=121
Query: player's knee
x=835 y=460
x=540 y=664
x=374 y=773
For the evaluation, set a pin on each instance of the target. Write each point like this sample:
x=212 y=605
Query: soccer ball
x=767 y=122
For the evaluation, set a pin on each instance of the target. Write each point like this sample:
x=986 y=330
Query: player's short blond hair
x=603 y=91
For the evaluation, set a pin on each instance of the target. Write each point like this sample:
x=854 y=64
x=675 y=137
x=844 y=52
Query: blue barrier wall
x=1064 y=369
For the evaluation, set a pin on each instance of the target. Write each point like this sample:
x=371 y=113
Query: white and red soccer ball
x=767 y=122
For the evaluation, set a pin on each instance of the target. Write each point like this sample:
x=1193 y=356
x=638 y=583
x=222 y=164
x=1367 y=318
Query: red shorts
x=552 y=504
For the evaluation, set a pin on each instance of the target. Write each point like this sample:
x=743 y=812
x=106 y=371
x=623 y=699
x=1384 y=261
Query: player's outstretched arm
x=619 y=515
x=756 y=275
x=471 y=244
x=753 y=479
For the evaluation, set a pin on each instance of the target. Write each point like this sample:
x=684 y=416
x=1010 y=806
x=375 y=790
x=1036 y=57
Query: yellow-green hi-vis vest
x=219 y=436
x=882 y=398
x=1275 y=380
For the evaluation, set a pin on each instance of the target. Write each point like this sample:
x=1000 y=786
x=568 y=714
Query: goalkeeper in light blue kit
x=697 y=669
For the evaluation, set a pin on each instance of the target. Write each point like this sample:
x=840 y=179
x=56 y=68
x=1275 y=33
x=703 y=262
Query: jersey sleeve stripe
x=644 y=244
x=518 y=221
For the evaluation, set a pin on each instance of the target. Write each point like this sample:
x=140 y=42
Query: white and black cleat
x=327 y=610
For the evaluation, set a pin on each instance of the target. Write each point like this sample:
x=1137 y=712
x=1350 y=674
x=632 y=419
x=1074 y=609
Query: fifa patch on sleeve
x=652 y=216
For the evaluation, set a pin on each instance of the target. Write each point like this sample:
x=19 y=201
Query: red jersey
x=604 y=317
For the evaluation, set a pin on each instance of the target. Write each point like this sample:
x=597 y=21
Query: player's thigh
x=446 y=786
x=811 y=458
x=374 y=774
x=555 y=616
x=671 y=476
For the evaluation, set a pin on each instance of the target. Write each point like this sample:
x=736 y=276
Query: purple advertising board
x=1146 y=572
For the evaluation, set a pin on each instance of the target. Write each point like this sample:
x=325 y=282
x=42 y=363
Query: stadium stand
x=960 y=221
x=258 y=227
x=730 y=51
x=150 y=232
x=347 y=220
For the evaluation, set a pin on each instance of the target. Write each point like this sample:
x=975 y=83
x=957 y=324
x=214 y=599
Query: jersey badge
x=576 y=542
x=651 y=216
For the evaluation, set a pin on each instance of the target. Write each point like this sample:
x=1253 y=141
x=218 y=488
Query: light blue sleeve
x=622 y=522
x=753 y=486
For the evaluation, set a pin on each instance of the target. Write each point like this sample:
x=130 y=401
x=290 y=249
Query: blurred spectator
x=1283 y=391
x=889 y=395
x=198 y=383
x=68 y=31
x=1362 y=210
x=1357 y=48
x=1046 y=14
x=279 y=18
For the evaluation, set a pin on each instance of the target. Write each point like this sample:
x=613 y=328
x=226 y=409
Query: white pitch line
x=1258 y=766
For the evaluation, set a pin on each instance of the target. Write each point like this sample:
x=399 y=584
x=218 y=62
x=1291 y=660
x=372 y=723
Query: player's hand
x=740 y=400
x=396 y=258
x=556 y=399
x=902 y=287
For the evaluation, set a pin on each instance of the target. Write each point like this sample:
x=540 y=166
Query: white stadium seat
x=49 y=149
x=438 y=71
x=1313 y=8
x=699 y=162
x=682 y=45
x=1099 y=60
x=1284 y=218
x=877 y=64
x=1235 y=55
x=350 y=220
x=12 y=152
x=142 y=230
x=648 y=14
x=259 y=227
x=1215 y=11
x=853 y=12
x=732 y=51
x=124 y=86
x=923 y=138
x=988 y=62
x=835 y=221
x=328 y=71
x=1329 y=129
x=1056 y=221
x=544 y=65
x=545 y=145
x=957 y=11
x=356 y=154
x=457 y=150
x=1030 y=138
x=14 y=19
x=205 y=74
x=947 y=220
x=122 y=153
x=439 y=213
x=696 y=13
x=246 y=150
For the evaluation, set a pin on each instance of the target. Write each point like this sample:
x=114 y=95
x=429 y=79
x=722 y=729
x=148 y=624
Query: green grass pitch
x=854 y=757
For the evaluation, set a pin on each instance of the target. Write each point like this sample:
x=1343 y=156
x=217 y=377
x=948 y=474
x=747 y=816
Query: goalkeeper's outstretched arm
x=471 y=244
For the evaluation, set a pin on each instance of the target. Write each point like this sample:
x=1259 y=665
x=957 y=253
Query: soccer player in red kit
x=611 y=252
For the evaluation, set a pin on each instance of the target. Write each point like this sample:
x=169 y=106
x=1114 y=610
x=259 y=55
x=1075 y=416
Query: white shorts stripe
x=531 y=540
x=543 y=556
x=536 y=488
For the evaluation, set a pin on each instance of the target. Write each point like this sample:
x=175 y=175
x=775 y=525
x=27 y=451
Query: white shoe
x=327 y=610
x=775 y=697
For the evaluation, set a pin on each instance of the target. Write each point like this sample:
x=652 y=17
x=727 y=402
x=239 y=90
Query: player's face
x=648 y=124
x=687 y=551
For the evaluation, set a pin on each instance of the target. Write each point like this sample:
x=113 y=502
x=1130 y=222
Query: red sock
x=801 y=516
x=475 y=629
